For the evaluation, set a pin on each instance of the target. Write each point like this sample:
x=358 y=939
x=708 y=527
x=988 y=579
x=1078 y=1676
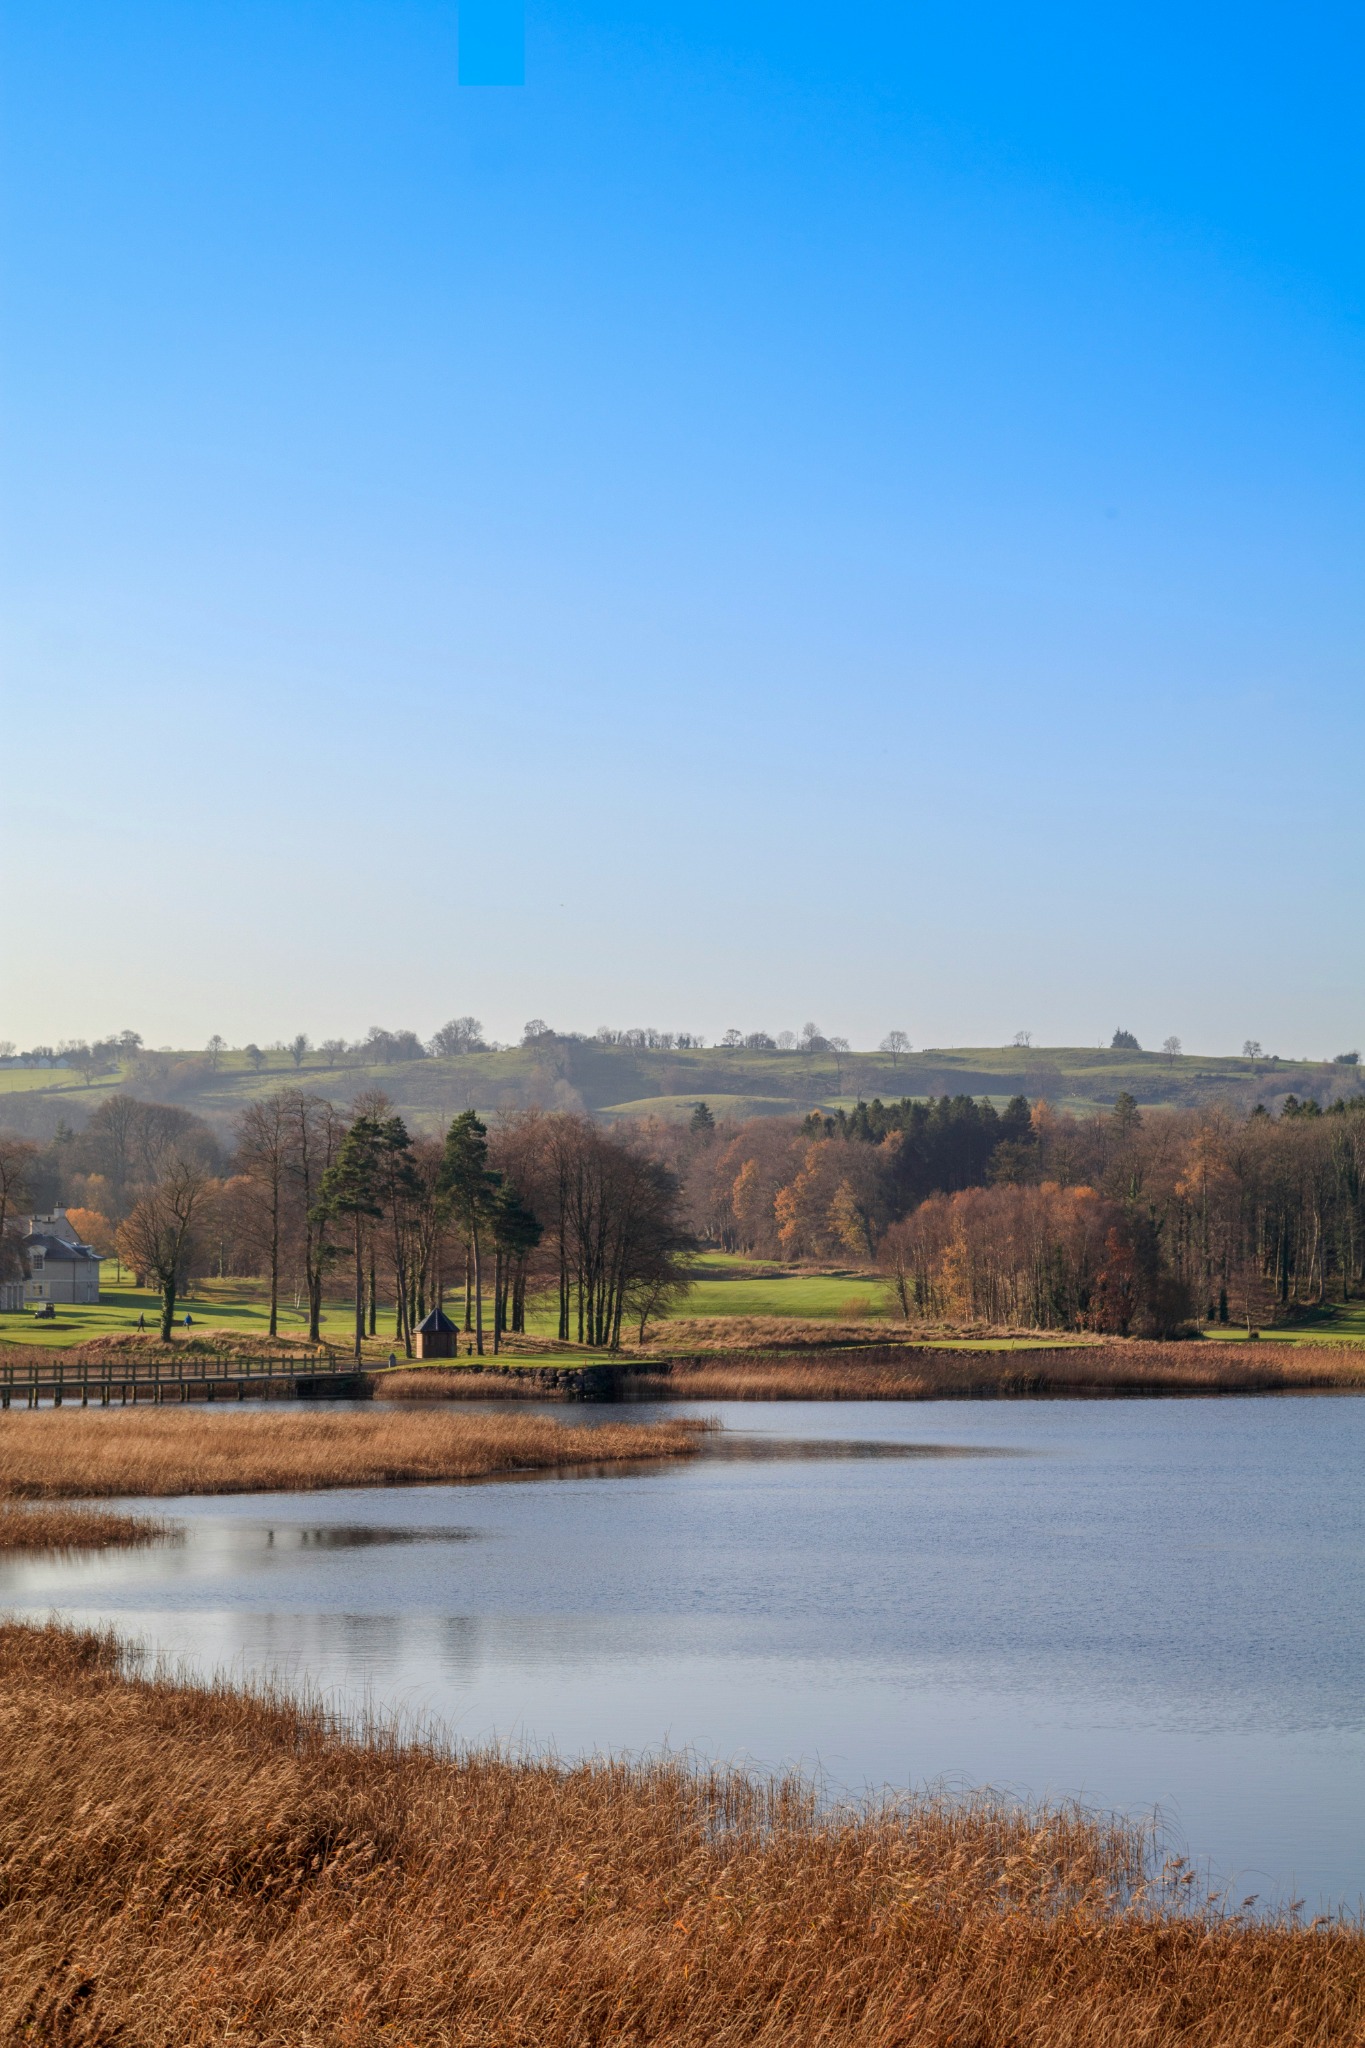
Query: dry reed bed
x=683 y=1334
x=69 y=1528
x=447 y=1383
x=53 y=1454
x=906 y=1374
x=910 y=1373
x=198 y=1867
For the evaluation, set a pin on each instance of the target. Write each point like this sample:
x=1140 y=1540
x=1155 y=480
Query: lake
x=1142 y=1604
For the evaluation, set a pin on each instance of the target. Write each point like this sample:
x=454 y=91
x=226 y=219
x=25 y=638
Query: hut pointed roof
x=438 y=1323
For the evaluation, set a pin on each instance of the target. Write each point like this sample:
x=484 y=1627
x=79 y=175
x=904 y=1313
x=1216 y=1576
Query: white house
x=60 y=1267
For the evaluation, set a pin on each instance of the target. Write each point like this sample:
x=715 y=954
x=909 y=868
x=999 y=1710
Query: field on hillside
x=619 y=1081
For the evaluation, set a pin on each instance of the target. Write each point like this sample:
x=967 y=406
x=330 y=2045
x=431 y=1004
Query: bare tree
x=265 y=1135
x=17 y=1158
x=158 y=1237
x=896 y=1043
x=315 y=1134
x=215 y=1049
x=299 y=1048
x=1171 y=1047
x=461 y=1034
x=1023 y=1039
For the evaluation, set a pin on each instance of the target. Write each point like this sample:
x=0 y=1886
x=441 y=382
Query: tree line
x=1116 y=1220
x=311 y=1200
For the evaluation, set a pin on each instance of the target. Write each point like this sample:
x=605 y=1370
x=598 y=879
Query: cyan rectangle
x=492 y=42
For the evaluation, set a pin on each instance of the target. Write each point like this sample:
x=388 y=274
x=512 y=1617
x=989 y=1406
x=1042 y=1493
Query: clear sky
x=797 y=512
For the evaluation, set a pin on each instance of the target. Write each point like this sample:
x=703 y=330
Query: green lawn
x=1337 y=1324
x=233 y=1305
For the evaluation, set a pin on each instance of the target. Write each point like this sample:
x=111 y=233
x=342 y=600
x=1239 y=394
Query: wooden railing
x=108 y=1384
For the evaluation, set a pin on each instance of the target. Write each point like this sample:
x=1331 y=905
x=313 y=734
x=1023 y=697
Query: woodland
x=1124 y=1221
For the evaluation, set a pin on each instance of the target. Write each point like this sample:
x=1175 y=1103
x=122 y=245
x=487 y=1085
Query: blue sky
x=795 y=513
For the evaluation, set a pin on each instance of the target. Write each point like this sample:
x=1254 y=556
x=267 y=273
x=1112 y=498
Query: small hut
x=437 y=1336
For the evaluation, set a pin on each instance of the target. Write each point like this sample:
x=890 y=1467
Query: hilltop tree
x=701 y=1122
x=896 y=1043
x=461 y=1034
x=1171 y=1047
x=255 y=1058
x=215 y=1049
x=1124 y=1041
x=299 y=1048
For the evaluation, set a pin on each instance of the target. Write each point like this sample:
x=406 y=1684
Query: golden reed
x=186 y=1868
x=66 y=1453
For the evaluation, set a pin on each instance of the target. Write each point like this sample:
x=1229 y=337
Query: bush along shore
x=66 y=1454
x=195 y=1866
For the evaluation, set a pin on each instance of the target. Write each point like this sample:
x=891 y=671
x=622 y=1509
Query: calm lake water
x=1141 y=1604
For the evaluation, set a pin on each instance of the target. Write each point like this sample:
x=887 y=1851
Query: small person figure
x=142 y=1322
x=189 y=1322
x=393 y=1359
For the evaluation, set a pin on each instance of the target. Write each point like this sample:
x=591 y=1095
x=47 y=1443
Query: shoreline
x=201 y=1863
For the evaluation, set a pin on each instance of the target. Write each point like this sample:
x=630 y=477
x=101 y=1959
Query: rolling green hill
x=618 y=1081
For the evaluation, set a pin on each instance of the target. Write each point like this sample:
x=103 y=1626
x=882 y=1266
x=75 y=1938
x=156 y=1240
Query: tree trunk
x=478 y=1291
x=497 y=1299
x=167 y=1306
x=275 y=1262
x=359 y=1288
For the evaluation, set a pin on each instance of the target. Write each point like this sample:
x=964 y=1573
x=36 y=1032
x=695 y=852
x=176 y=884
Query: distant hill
x=616 y=1080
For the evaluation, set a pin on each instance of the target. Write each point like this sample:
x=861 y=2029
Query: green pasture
x=618 y=1081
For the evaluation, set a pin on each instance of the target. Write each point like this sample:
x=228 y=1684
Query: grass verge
x=54 y=1454
x=202 y=1866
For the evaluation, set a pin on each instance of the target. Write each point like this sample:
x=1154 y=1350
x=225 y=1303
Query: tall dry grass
x=450 y=1383
x=69 y=1528
x=904 y=1374
x=58 y=1454
x=202 y=1867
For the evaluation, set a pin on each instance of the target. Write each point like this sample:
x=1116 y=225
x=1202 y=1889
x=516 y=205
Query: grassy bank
x=55 y=1454
x=71 y=1528
x=200 y=1866
x=931 y=1373
x=1115 y=1370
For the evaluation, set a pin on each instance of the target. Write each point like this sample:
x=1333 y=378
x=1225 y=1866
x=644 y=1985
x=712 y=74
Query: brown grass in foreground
x=196 y=1867
x=67 y=1528
x=53 y=1454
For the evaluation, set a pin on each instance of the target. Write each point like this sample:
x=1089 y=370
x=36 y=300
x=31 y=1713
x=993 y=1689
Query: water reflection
x=1138 y=1604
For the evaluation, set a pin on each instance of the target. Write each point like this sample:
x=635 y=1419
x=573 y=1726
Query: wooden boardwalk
x=202 y=1378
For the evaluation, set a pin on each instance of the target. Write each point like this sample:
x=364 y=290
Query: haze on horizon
x=756 y=525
